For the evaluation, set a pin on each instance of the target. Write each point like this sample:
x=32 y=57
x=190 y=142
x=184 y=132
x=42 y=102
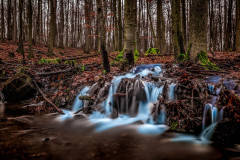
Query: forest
x=119 y=79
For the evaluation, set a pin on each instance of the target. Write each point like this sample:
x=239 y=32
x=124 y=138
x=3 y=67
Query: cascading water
x=137 y=83
x=76 y=105
x=152 y=92
x=215 y=116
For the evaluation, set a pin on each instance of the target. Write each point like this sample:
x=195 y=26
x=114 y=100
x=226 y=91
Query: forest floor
x=24 y=136
x=62 y=80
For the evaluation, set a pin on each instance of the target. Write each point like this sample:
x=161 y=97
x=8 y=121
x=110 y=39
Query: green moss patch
x=152 y=51
x=205 y=62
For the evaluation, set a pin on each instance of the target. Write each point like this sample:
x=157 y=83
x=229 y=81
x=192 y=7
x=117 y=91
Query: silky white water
x=103 y=120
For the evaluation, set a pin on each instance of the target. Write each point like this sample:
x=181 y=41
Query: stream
x=133 y=134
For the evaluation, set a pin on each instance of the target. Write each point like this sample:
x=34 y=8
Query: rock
x=227 y=133
x=18 y=88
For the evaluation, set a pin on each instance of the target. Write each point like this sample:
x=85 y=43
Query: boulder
x=18 y=88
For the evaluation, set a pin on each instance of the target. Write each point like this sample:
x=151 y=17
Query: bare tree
x=198 y=33
x=30 y=13
x=101 y=29
x=20 y=44
x=129 y=30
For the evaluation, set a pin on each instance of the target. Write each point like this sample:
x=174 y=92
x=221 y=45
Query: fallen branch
x=54 y=72
x=159 y=55
x=82 y=57
x=47 y=100
x=207 y=71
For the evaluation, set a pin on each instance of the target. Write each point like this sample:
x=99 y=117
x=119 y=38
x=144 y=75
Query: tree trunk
x=227 y=43
x=67 y=25
x=138 y=41
x=177 y=33
x=30 y=12
x=51 y=32
x=120 y=28
x=101 y=28
x=198 y=31
x=238 y=25
x=15 y=21
x=151 y=25
x=2 y=22
x=38 y=39
x=87 y=26
x=129 y=30
x=115 y=25
x=184 y=33
x=160 y=27
x=20 y=44
x=9 y=17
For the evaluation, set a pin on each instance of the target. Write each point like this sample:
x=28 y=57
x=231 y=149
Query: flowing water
x=129 y=136
x=153 y=91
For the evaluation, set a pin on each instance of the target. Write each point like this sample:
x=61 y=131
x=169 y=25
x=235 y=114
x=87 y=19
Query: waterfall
x=77 y=102
x=152 y=92
x=171 y=91
x=137 y=97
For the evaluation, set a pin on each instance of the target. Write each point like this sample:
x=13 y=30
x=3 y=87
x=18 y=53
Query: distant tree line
x=169 y=25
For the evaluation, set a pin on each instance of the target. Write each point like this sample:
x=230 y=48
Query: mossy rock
x=18 y=88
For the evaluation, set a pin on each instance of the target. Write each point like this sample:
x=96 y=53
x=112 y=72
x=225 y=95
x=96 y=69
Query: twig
x=46 y=99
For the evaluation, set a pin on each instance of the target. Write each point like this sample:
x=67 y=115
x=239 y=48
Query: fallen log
x=86 y=68
x=46 y=99
x=81 y=57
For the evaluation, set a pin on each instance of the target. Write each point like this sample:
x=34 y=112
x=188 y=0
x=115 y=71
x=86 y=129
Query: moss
x=85 y=98
x=204 y=60
x=185 y=57
x=152 y=51
x=50 y=61
x=119 y=57
x=70 y=62
x=174 y=125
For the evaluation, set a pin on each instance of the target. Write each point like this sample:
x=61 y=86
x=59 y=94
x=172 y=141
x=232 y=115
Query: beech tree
x=198 y=31
x=177 y=33
x=52 y=29
x=238 y=25
x=30 y=54
x=129 y=30
x=20 y=43
x=102 y=42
